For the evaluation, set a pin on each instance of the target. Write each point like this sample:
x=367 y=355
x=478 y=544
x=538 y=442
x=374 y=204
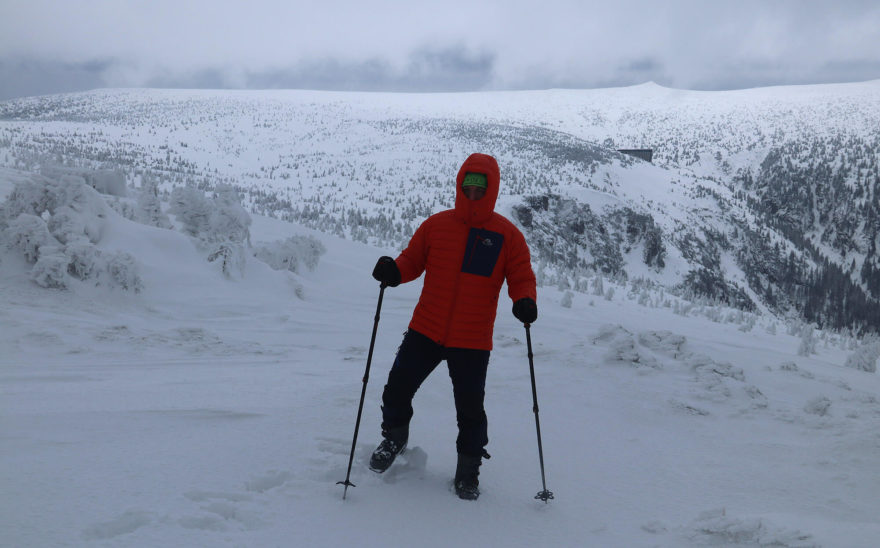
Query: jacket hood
x=477 y=212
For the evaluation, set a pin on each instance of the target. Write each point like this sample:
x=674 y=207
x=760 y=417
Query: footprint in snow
x=219 y=515
x=267 y=481
x=202 y=496
x=717 y=528
x=128 y=522
x=411 y=463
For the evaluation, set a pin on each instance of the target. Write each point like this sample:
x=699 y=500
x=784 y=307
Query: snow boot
x=466 y=482
x=393 y=445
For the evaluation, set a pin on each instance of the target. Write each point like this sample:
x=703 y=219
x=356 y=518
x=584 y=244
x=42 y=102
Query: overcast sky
x=52 y=46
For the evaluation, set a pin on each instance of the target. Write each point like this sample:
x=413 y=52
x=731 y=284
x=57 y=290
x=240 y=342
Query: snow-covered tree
x=230 y=257
x=43 y=197
x=220 y=224
x=149 y=206
x=291 y=254
x=28 y=234
x=55 y=224
x=83 y=259
x=215 y=220
x=122 y=270
x=104 y=181
x=566 y=299
x=864 y=358
x=229 y=221
x=50 y=270
x=192 y=209
x=808 y=341
x=598 y=286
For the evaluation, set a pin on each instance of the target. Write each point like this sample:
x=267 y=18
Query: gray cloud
x=48 y=46
x=20 y=77
x=452 y=68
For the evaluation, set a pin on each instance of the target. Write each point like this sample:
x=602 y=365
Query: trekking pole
x=544 y=495
x=357 y=424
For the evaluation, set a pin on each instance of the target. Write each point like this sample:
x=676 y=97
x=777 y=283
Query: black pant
x=417 y=357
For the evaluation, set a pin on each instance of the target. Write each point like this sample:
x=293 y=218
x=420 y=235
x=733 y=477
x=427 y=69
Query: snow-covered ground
x=212 y=412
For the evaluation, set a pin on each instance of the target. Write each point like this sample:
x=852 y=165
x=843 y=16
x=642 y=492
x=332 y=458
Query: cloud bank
x=49 y=47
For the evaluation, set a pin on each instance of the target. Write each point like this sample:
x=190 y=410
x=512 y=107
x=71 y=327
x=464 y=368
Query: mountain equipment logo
x=487 y=242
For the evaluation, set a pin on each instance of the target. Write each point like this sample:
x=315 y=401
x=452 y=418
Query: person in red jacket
x=466 y=254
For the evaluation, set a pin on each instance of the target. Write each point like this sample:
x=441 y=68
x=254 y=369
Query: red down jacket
x=466 y=254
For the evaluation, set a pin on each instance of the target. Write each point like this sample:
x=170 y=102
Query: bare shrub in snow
x=121 y=270
x=291 y=254
x=864 y=358
x=716 y=528
x=50 y=270
x=28 y=233
x=759 y=400
x=609 y=332
x=624 y=350
x=609 y=294
x=818 y=406
x=622 y=347
x=665 y=342
x=792 y=367
x=84 y=259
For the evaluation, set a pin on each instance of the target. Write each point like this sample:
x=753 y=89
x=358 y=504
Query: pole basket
x=348 y=484
x=544 y=495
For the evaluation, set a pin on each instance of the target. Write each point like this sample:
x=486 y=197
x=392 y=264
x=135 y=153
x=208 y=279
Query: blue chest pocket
x=482 y=252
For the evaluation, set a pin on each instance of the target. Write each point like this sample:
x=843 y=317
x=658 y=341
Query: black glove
x=386 y=271
x=525 y=310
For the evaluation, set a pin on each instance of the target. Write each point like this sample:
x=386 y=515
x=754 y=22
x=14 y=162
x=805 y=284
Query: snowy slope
x=206 y=411
x=795 y=165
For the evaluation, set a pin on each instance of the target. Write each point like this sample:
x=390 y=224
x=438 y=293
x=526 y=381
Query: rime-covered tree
x=149 y=206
